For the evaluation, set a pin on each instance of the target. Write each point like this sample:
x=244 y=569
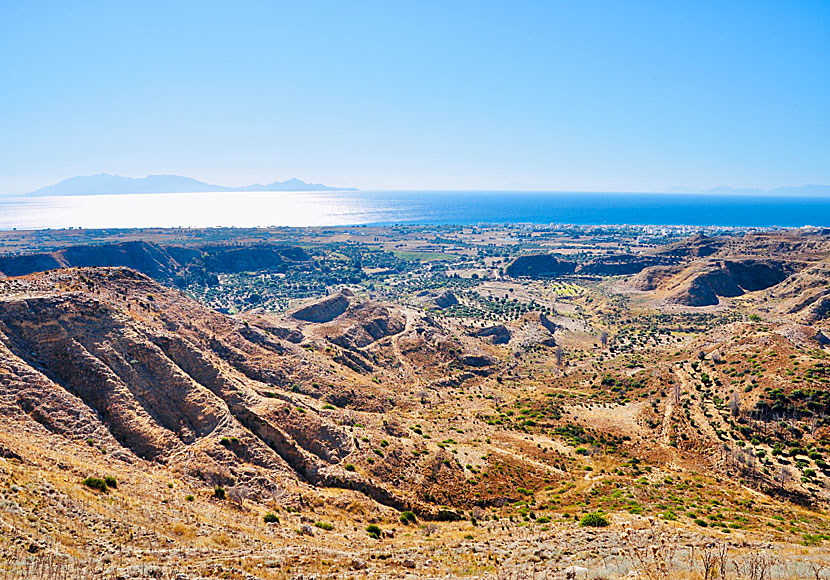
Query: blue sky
x=635 y=96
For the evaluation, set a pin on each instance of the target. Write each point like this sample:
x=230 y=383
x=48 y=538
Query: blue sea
x=255 y=209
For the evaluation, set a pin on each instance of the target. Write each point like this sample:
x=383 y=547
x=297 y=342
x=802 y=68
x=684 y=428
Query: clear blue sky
x=426 y=95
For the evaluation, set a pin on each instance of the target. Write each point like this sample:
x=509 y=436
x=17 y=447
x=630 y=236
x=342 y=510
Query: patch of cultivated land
x=390 y=403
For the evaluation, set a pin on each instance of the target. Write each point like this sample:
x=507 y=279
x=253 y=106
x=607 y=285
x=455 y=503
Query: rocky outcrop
x=476 y=360
x=498 y=334
x=621 y=265
x=539 y=266
x=818 y=310
x=253 y=258
x=652 y=278
x=292 y=335
x=370 y=322
x=704 y=284
x=160 y=262
x=446 y=300
x=324 y=310
x=697 y=246
x=547 y=323
x=26 y=264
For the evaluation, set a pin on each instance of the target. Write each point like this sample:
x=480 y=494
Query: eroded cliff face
x=703 y=283
x=160 y=262
x=151 y=375
x=324 y=310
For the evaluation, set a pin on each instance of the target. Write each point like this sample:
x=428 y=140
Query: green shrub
x=349 y=467
x=408 y=517
x=812 y=539
x=219 y=492
x=111 y=481
x=324 y=526
x=445 y=515
x=189 y=498
x=701 y=523
x=95 y=483
x=374 y=531
x=594 y=520
x=271 y=518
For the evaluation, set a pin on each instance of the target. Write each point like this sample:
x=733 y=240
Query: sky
x=550 y=95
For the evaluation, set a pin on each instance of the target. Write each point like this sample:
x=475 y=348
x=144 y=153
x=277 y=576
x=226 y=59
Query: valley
x=415 y=402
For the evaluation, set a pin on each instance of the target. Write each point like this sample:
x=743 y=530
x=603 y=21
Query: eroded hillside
x=481 y=423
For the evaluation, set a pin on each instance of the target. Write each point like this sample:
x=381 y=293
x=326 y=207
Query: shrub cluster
x=594 y=520
x=374 y=531
x=104 y=484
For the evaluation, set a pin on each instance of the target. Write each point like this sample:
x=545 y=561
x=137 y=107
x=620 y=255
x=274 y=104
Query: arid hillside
x=422 y=421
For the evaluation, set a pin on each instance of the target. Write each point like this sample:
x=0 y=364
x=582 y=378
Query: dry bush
x=238 y=494
x=714 y=560
x=651 y=550
x=757 y=566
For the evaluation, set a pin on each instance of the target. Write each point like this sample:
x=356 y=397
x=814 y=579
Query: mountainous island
x=106 y=184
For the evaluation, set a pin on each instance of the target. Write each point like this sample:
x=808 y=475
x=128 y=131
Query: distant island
x=106 y=184
x=787 y=190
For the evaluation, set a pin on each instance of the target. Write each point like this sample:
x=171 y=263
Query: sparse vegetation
x=693 y=425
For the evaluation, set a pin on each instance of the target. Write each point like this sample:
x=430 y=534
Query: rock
x=477 y=360
x=621 y=265
x=550 y=325
x=358 y=564
x=573 y=572
x=498 y=334
x=539 y=266
x=707 y=281
x=7 y=453
x=446 y=300
x=372 y=322
x=324 y=310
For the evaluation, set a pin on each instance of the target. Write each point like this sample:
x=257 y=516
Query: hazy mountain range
x=789 y=190
x=104 y=183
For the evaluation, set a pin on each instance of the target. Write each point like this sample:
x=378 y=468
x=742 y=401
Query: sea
x=333 y=208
